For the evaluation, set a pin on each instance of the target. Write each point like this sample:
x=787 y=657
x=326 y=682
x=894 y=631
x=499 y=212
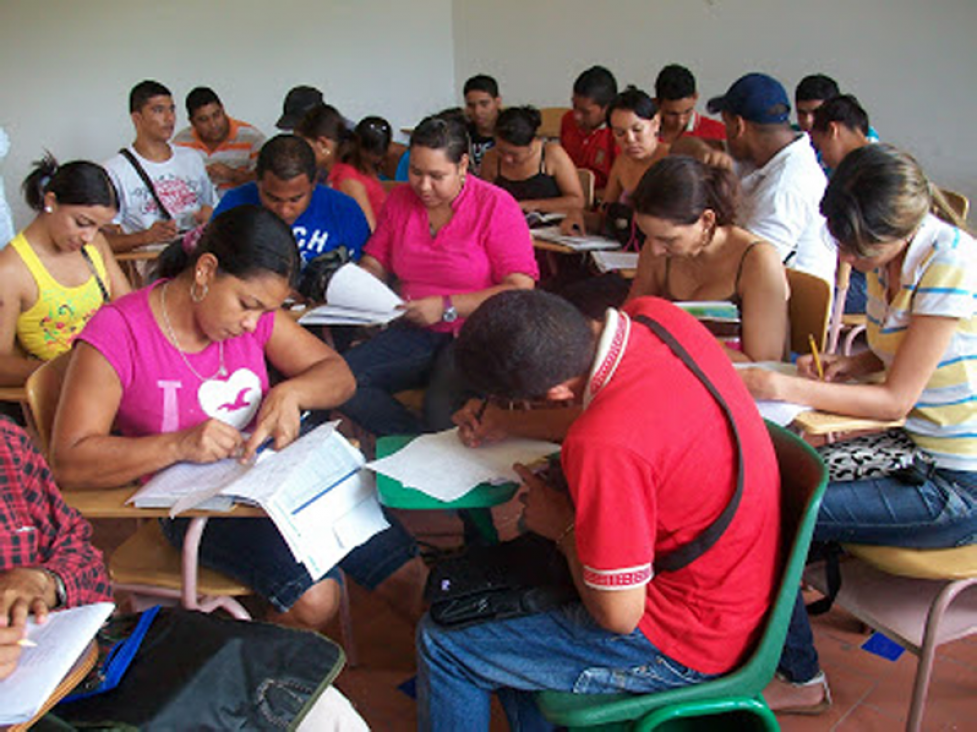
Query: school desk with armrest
x=552 y=117
x=477 y=501
x=146 y=564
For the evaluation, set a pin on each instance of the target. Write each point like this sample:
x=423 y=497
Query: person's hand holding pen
x=478 y=424
x=280 y=418
x=833 y=367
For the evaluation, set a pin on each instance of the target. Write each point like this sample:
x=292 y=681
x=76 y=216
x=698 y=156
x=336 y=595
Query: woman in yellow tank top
x=59 y=270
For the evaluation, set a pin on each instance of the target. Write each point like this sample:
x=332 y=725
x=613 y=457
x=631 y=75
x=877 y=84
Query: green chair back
x=730 y=700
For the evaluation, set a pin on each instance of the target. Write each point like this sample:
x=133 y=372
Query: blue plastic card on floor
x=882 y=646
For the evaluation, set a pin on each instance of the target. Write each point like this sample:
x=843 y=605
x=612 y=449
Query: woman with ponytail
x=59 y=270
x=694 y=251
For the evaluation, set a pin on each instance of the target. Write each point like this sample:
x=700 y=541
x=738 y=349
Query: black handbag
x=197 y=671
x=317 y=273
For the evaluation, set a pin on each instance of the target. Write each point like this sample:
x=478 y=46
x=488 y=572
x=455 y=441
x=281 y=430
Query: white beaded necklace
x=221 y=371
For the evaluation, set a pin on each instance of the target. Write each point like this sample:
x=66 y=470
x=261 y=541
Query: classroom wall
x=910 y=63
x=66 y=66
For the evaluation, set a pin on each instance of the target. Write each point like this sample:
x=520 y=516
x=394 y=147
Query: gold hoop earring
x=193 y=292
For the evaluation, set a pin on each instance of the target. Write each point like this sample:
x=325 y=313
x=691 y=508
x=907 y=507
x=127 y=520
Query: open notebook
x=355 y=297
x=586 y=243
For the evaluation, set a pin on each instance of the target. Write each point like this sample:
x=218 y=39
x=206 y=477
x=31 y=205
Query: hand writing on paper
x=208 y=442
x=279 y=418
x=477 y=426
x=573 y=224
x=24 y=591
x=548 y=511
x=9 y=649
x=836 y=367
x=161 y=231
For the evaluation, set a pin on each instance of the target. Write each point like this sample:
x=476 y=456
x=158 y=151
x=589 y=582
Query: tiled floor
x=870 y=693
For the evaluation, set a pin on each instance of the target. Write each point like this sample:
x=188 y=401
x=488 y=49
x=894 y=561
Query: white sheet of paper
x=337 y=315
x=780 y=413
x=60 y=642
x=354 y=287
x=441 y=466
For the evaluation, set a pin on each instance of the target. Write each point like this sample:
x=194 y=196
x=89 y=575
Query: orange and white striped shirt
x=239 y=150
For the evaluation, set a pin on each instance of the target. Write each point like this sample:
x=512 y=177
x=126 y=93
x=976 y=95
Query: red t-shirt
x=594 y=150
x=706 y=128
x=651 y=463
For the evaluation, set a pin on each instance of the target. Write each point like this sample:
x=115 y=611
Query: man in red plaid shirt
x=46 y=557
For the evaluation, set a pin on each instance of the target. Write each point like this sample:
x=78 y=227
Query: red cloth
x=375 y=191
x=37 y=528
x=651 y=462
x=594 y=150
x=706 y=128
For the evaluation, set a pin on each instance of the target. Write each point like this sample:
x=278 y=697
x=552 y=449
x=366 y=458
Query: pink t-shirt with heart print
x=159 y=392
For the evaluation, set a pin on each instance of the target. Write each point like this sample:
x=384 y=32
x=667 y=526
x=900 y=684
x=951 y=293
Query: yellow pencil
x=817 y=358
x=26 y=643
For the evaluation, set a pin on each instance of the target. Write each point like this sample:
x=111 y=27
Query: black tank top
x=533 y=188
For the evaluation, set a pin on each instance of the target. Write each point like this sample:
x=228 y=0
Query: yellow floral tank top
x=48 y=328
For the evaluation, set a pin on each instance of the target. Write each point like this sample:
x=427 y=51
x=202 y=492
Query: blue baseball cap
x=756 y=98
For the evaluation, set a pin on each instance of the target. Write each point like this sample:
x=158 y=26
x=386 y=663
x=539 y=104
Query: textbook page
x=60 y=642
x=354 y=290
x=441 y=466
x=585 y=243
x=612 y=261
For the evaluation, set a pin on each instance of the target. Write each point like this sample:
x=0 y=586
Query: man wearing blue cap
x=778 y=169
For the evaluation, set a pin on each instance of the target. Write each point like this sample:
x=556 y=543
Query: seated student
x=228 y=147
x=482 y=107
x=810 y=94
x=324 y=129
x=59 y=270
x=676 y=96
x=62 y=569
x=693 y=251
x=177 y=176
x=321 y=219
x=583 y=130
x=451 y=241
x=538 y=174
x=922 y=280
x=180 y=369
x=633 y=499
x=297 y=103
x=840 y=126
x=635 y=122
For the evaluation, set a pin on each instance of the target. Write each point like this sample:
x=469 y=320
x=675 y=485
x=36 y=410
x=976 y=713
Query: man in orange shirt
x=229 y=148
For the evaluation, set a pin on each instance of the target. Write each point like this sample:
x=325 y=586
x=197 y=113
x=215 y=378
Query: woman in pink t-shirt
x=451 y=241
x=179 y=368
x=348 y=162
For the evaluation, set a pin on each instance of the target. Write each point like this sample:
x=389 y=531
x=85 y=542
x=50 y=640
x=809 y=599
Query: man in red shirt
x=676 y=96
x=651 y=463
x=584 y=133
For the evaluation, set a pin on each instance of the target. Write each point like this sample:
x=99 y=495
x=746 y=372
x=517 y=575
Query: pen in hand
x=816 y=357
x=481 y=410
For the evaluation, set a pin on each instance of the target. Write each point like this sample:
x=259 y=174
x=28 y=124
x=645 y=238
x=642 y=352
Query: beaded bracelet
x=566 y=532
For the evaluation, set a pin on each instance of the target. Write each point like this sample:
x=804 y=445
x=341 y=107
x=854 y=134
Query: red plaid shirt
x=37 y=528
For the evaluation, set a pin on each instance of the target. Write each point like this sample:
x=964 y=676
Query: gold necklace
x=221 y=371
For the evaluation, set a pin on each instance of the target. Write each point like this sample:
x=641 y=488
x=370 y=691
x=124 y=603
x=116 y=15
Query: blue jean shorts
x=252 y=551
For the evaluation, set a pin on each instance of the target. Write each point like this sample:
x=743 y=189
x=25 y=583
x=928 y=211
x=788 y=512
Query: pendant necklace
x=221 y=371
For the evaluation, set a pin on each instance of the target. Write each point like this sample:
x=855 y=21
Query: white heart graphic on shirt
x=233 y=401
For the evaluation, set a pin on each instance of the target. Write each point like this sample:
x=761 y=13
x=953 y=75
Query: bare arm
x=373 y=266
x=158 y=233
x=318 y=378
x=565 y=172
x=428 y=310
x=357 y=191
x=763 y=296
x=477 y=427
x=919 y=354
x=647 y=278
x=15 y=365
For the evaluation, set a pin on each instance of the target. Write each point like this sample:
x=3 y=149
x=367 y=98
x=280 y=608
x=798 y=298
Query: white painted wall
x=66 y=66
x=912 y=64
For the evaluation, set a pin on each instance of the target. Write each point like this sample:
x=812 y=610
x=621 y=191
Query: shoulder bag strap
x=163 y=211
x=98 y=279
x=688 y=553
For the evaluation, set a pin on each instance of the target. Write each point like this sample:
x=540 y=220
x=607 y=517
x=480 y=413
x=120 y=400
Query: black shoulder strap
x=688 y=553
x=98 y=279
x=163 y=211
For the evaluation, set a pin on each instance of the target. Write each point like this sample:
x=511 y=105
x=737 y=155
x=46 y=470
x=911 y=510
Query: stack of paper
x=721 y=317
x=782 y=413
x=441 y=466
x=614 y=261
x=59 y=644
x=315 y=491
x=585 y=243
x=355 y=297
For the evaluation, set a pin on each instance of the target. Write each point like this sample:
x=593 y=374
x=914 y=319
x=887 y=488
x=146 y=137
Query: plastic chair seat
x=147 y=558
x=936 y=564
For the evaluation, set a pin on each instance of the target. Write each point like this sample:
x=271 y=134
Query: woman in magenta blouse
x=450 y=241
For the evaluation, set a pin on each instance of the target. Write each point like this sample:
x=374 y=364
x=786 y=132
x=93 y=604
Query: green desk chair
x=477 y=501
x=733 y=701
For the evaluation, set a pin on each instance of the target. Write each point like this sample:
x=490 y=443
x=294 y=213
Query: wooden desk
x=130 y=262
x=111 y=503
x=825 y=423
x=552 y=248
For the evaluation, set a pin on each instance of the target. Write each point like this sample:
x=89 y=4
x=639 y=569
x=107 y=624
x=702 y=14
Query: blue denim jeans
x=940 y=513
x=563 y=649
x=401 y=357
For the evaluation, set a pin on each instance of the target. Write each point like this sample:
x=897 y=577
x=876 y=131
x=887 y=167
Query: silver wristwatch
x=449 y=314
